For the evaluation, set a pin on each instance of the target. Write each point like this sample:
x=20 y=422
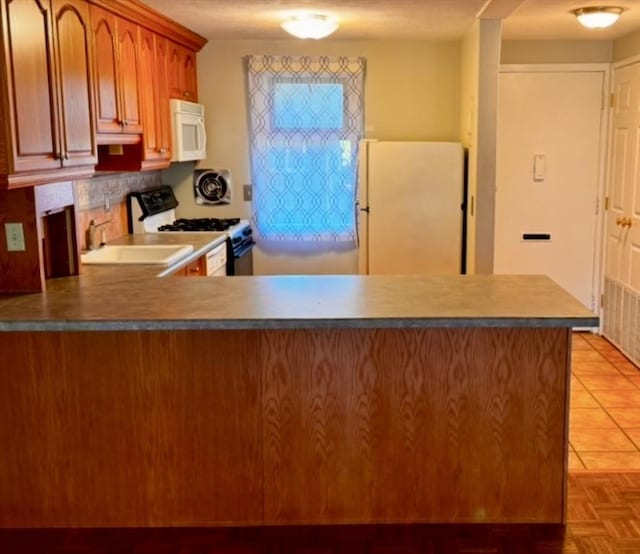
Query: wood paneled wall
x=204 y=428
x=20 y=271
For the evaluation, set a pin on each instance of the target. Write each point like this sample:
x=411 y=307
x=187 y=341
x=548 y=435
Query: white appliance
x=410 y=208
x=188 y=131
x=153 y=211
x=216 y=261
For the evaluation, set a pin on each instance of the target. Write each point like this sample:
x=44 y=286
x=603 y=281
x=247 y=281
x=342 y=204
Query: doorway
x=549 y=175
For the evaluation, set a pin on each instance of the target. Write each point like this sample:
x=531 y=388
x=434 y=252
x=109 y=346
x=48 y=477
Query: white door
x=622 y=232
x=548 y=167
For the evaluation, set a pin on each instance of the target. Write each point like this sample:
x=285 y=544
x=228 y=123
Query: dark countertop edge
x=197 y=253
x=257 y=324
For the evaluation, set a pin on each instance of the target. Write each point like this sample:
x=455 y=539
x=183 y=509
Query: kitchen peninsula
x=285 y=400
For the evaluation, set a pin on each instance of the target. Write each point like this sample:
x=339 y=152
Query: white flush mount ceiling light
x=309 y=26
x=598 y=17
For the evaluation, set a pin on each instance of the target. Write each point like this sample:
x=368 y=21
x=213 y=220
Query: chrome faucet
x=93 y=227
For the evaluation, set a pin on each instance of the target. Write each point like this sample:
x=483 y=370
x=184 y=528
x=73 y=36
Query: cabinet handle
x=187 y=93
x=163 y=150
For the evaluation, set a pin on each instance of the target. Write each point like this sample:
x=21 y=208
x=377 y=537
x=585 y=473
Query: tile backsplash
x=103 y=198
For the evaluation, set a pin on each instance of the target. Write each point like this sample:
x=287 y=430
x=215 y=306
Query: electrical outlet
x=15 y=237
x=247 y=193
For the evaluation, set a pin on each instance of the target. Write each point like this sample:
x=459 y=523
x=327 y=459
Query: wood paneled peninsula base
x=265 y=424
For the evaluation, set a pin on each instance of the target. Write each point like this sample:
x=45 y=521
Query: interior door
x=622 y=234
x=547 y=181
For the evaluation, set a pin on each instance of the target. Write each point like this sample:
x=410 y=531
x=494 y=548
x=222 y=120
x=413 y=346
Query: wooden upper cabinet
x=32 y=93
x=163 y=111
x=75 y=84
x=183 y=82
x=48 y=92
x=129 y=69
x=78 y=73
x=116 y=73
x=154 y=100
x=105 y=43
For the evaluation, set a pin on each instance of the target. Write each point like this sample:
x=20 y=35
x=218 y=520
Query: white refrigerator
x=410 y=208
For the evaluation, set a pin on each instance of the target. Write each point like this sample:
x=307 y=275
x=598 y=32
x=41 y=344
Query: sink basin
x=132 y=254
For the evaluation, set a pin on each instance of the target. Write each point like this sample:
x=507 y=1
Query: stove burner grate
x=200 y=224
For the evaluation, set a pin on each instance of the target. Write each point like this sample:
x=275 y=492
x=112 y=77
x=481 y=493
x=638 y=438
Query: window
x=306 y=119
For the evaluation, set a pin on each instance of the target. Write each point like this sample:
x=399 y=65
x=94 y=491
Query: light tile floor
x=604 y=416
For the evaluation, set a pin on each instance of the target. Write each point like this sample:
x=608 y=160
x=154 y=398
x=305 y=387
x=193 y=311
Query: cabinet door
x=174 y=68
x=196 y=268
x=128 y=71
x=103 y=24
x=190 y=76
x=73 y=40
x=148 y=107
x=154 y=101
x=35 y=144
x=163 y=112
x=182 y=73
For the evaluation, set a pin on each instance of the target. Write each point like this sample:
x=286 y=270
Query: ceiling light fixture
x=597 y=17
x=309 y=26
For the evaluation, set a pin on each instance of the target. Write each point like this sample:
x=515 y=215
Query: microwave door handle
x=203 y=136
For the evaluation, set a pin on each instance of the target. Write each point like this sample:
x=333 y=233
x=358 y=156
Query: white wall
x=556 y=51
x=469 y=75
x=626 y=47
x=411 y=93
x=480 y=60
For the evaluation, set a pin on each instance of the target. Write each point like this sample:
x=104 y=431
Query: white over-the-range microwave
x=188 y=131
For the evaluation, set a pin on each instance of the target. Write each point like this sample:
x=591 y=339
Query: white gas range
x=153 y=211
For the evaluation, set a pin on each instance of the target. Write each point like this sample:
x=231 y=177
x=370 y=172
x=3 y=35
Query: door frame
x=599 y=201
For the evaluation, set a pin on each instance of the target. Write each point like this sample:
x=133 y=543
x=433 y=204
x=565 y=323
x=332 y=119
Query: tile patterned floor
x=604 y=417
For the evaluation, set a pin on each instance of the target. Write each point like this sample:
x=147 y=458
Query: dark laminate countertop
x=132 y=298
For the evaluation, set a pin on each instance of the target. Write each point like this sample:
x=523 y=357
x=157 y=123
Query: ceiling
x=395 y=19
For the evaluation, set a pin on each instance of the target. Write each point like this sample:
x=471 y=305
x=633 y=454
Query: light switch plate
x=15 y=237
x=247 y=193
x=539 y=169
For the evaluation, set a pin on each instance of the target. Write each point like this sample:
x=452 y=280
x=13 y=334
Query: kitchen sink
x=137 y=254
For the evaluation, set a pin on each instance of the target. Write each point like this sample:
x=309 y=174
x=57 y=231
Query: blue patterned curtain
x=306 y=118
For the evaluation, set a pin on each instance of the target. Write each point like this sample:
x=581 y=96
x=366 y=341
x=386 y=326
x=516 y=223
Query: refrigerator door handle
x=359 y=209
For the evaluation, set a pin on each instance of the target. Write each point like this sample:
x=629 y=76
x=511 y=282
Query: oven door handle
x=243 y=249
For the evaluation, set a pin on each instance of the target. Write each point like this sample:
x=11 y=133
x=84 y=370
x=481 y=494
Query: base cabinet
x=284 y=427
